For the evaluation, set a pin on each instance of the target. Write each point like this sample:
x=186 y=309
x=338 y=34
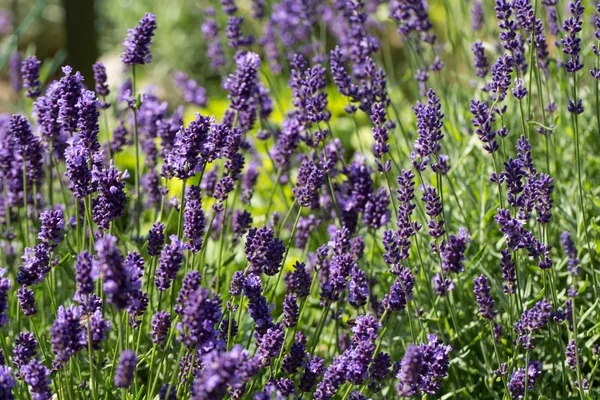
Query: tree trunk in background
x=81 y=37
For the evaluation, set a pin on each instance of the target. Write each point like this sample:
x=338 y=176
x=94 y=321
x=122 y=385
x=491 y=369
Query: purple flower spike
x=4 y=288
x=37 y=376
x=161 y=323
x=310 y=180
x=169 y=263
x=137 y=44
x=193 y=219
x=7 y=382
x=484 y=298
x=571 y=251
x=156 y=239
x=52 y=225
x=111 y=268
x=481 y=62
x=125 y=371
x=68 y=335
x=25 y=347
x=264 y=252
x=111 y=199
x=100 y=79
x=26 y=298
x=30 y=72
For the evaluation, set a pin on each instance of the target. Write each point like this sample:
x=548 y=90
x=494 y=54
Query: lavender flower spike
x=484 y=298
x=137 y=44
x=30 y=72
x=125 y=370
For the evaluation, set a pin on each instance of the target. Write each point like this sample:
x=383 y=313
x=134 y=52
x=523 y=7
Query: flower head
x=137 y=44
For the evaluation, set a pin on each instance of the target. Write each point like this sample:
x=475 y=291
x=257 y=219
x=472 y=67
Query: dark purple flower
x=111 y=200
x=100 y=79
x=46 y=109
x=224 y=371
x=120 y=138
x=308 y=94
x=169 y=263
x=201 y=316
x=78 y=170
x=234 y=33
x=214 y=48
x=161 y=323
x=111 y=268
x=68 y=335
x=453 y=252
x=310 y=180
x=52 y=223
x=156 y=239
x=300 y=280
x=411 y=371
x=192 y=92
x=501 y=71
x=26 y=298
x=516 y=383
x=535 y=318
x=525 y=14
x=183 y=159
x=482 y=120
x=238 y=280
x=358 y=288
x=571 y=43
x=243 y=85
x=423 y=367
x=313 y=370
x=509 y=273
x=291 y=311
x=87 y=122
x=477 y=15
x=400 y=291
x=481 y=62
x=519 y=91
x=484 y=298
x=264 y=252
x=14 y=67
x=571 y=251
x=269 y=343
x=4 y=288
x=258 y=308
x=7 y=382
x=429 y=129
x=37 y=376
x=442 y=285
x=83 y=276
x=99 y=327
x=69 y=89
x=190 y=284
x=377 y=213
x=572 y=356
x=137 y=44
x=297 y=355
x=30 y=73
x=433 y=209
x=35 y=265
x=193 y=219
x=25 y=347
x=379 y=371
x=125 y=371
x=413 y=16
x=29 y=147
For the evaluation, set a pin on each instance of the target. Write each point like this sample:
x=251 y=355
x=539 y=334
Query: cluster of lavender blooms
x=256 y=257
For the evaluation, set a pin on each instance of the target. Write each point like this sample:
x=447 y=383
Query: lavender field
x=304 y=199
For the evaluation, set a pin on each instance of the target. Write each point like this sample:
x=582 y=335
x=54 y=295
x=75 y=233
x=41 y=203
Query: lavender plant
x=264 y=238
